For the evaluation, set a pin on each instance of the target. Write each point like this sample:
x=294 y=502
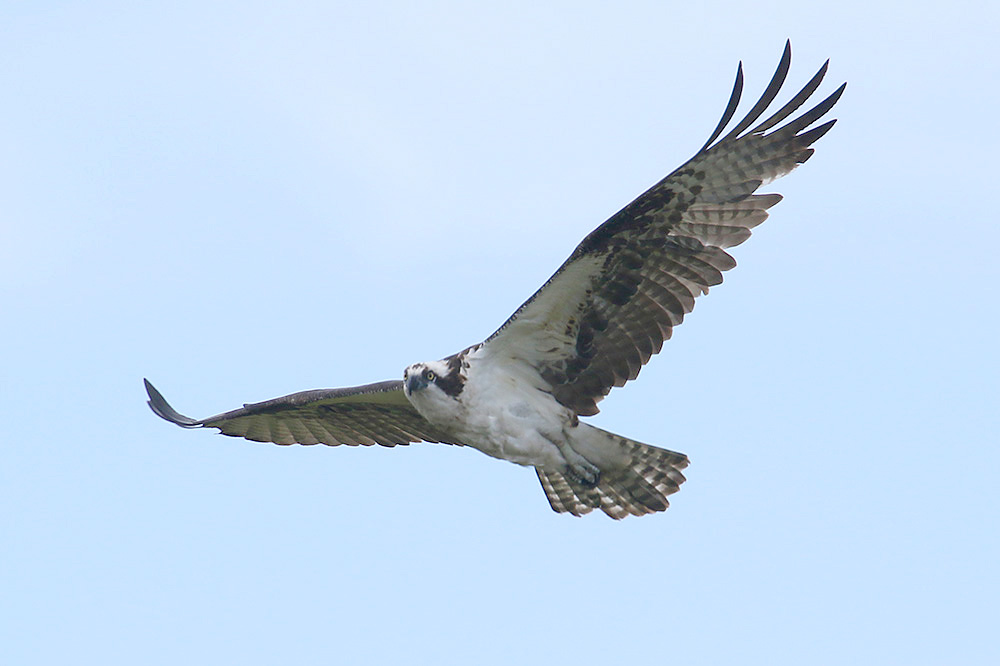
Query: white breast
x=502 y=412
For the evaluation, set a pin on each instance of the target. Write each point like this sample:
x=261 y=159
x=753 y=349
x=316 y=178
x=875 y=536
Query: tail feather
x=639 y=487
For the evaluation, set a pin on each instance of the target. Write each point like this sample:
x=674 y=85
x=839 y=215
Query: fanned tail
x=639 y=487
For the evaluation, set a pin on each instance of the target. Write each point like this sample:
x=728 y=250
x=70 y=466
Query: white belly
x=514 y=431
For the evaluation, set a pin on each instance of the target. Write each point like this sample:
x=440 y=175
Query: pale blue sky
x=240 y=200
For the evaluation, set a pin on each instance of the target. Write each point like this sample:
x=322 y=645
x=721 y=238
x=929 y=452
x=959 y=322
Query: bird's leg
x=583 y=472
x=578 y=468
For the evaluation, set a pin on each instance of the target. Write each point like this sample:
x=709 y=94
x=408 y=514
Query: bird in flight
x=519 y=394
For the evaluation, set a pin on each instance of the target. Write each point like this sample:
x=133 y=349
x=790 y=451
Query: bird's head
x=421 y=376
x=434 y=379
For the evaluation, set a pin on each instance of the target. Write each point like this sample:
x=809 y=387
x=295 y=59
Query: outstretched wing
x=366 y=415
x=612 y=304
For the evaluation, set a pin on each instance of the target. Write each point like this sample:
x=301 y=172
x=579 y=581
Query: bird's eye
x=429 y=375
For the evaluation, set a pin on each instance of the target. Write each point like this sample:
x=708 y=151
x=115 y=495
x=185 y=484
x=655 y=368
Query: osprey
x=519 y=395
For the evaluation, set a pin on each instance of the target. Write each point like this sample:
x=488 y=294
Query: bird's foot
x=578 y=469
x=582 y=472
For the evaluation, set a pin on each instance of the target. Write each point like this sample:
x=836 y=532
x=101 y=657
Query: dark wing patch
x=614 y=302
x=361 y=415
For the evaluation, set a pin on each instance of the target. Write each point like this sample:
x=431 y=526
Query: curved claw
x=583 y=472
x=163 y=409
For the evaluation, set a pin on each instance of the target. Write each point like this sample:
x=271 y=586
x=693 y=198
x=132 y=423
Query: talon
x=584 y=473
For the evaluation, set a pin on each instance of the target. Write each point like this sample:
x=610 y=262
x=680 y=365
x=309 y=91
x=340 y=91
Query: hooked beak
x=415 y=382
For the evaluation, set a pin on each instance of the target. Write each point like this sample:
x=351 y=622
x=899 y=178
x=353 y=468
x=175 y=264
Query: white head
x=435 y=385
x=422 y=376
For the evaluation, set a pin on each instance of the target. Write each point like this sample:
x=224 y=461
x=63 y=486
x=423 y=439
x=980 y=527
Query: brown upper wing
x=366 y=415
x=611 y=305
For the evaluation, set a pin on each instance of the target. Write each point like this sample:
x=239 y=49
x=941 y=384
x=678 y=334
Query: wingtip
x=162 y=408
x=734 y=100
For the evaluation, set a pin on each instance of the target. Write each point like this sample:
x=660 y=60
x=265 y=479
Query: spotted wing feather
x=614 y=302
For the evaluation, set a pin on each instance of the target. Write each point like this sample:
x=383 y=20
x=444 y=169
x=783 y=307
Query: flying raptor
x=519 y=394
